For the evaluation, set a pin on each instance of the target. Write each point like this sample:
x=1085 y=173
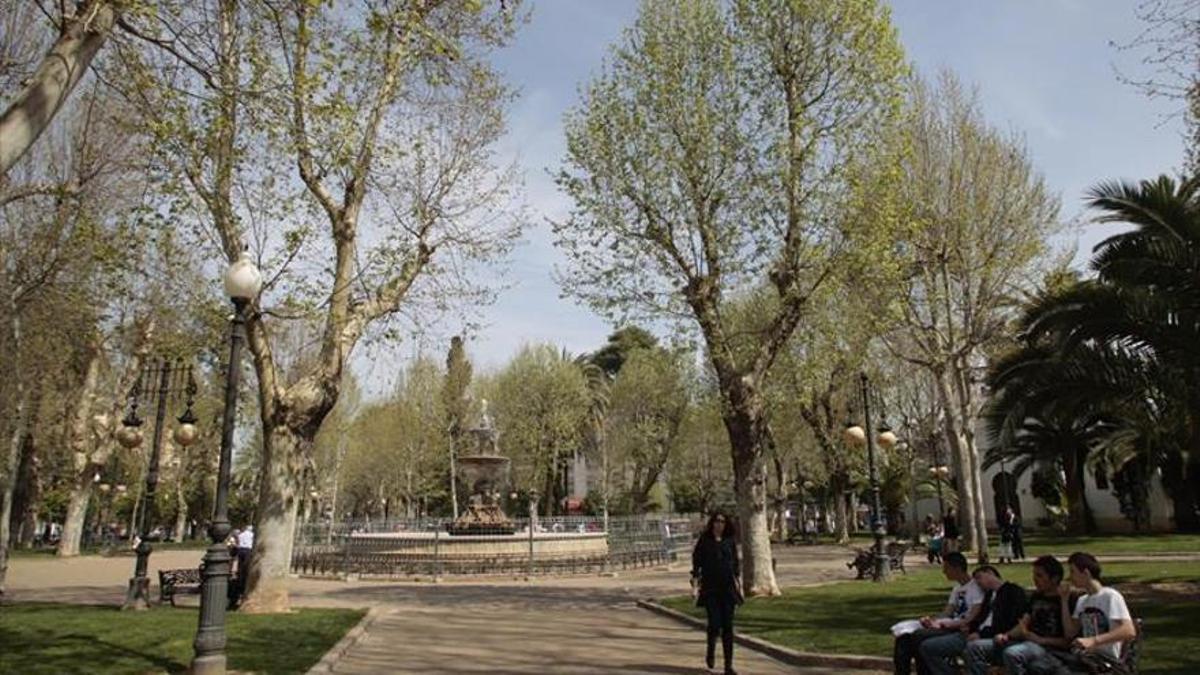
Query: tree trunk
x=181 y=512
x=747 y=432
x=86 y=457
x=843 y=517
x=56 y=76
x=1079 y=514
x=278 y=503
x=72 y=532
x=957 y=450
x=16 y=433
x=966 y=424
x=30 y=489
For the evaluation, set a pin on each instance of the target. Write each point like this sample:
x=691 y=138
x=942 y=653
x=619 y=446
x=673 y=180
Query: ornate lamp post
x=173 y=378
x=243 y=281
x=939 y=473
x=857 y=436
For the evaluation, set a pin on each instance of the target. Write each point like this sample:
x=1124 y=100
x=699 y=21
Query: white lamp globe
x=887 y=439
x=854 y=436
x=243 y=281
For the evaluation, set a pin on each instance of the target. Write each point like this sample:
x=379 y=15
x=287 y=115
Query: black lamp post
x=939 y=473
x=242 y=284
x=173 y=378
x=857 y=436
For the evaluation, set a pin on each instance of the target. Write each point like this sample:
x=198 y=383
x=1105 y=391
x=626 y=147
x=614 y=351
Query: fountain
x=485 y=471
x=483 y=539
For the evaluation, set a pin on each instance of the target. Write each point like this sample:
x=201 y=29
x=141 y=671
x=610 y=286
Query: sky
x=1045 y=69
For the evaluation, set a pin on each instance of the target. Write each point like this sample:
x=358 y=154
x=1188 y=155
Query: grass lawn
x=854 y=617
x=1112 y=544
x=50 y=638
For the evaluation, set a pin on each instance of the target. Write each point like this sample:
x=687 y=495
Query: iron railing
x=399 y=548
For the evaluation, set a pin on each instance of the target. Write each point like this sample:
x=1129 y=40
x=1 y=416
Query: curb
x=784 y=654
x=351 y=638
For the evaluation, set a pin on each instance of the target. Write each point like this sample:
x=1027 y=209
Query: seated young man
x=963 y=606
x=1098 y=625
x=1001 y=622
x=1041 y=629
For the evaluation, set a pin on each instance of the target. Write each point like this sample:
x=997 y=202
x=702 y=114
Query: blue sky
x=1044 y=68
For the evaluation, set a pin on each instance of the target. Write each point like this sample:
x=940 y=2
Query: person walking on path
x=1018 y=544
x=716 y=584
x=950 y=532
x=1005 y=521
x=245 y=546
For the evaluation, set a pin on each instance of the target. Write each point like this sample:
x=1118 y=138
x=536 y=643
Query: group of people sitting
x=1077 y=625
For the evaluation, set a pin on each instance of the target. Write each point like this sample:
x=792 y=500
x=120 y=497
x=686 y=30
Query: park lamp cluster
x=856 y=437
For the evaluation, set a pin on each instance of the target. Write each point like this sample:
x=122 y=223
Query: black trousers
x=904 y=650
x=720 y=623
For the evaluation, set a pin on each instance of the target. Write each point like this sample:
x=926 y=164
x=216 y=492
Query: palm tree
x=599 y=384
x=1122 y=349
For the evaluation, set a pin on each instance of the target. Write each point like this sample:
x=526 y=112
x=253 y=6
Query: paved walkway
x=566 y=625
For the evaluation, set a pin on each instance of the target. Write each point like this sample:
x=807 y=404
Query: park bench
x=1130 y=652
x=864 y=559
x=172 y=582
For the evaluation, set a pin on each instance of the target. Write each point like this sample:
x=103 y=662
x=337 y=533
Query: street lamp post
x=856 y=435
x=940 y=473
x=173 y=379
x=242 y=284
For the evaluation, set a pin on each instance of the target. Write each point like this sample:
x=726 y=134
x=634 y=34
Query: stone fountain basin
x=545 y=544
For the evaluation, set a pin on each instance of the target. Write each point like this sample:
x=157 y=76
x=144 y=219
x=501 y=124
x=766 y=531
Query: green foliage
x=1114 y=357
x=396 y=448
x=541 y=407
x=649 y=402
x=620 y=343
x=678 y=155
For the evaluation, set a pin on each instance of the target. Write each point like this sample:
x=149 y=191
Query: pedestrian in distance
x=716 y=584
x=950 y=532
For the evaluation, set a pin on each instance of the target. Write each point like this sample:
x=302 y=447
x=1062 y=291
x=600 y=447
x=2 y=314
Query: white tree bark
x=20 y=414
x=757 y=568
x=276 y=523
x=30 y=113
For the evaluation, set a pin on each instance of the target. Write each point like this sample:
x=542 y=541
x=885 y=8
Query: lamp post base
x=137 y=597
x=214 y=599
x=212 y=664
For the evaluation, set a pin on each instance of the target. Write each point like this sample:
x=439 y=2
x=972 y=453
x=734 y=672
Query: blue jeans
x=936 y=652
x=980 y=654
x=1018 y=656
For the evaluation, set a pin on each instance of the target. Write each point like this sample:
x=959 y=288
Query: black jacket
x=1006 y=604
x=715 y=566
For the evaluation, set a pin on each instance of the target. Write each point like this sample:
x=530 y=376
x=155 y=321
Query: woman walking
x=717 y=585
x=950 y=532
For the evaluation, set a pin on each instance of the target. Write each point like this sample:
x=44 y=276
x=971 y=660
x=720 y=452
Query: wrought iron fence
x=399 y=548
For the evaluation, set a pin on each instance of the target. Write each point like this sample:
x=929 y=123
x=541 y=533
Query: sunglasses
x=718 y=520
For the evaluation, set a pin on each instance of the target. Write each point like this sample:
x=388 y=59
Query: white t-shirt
x=246 y=539
x=962 y=598
x=1096 y=613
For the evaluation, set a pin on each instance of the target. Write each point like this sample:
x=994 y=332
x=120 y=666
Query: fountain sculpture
x=486 y=472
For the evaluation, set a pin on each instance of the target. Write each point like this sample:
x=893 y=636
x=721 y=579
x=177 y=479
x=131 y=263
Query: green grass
x=854 y=617
x=50 y=638
x=1112 y=544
